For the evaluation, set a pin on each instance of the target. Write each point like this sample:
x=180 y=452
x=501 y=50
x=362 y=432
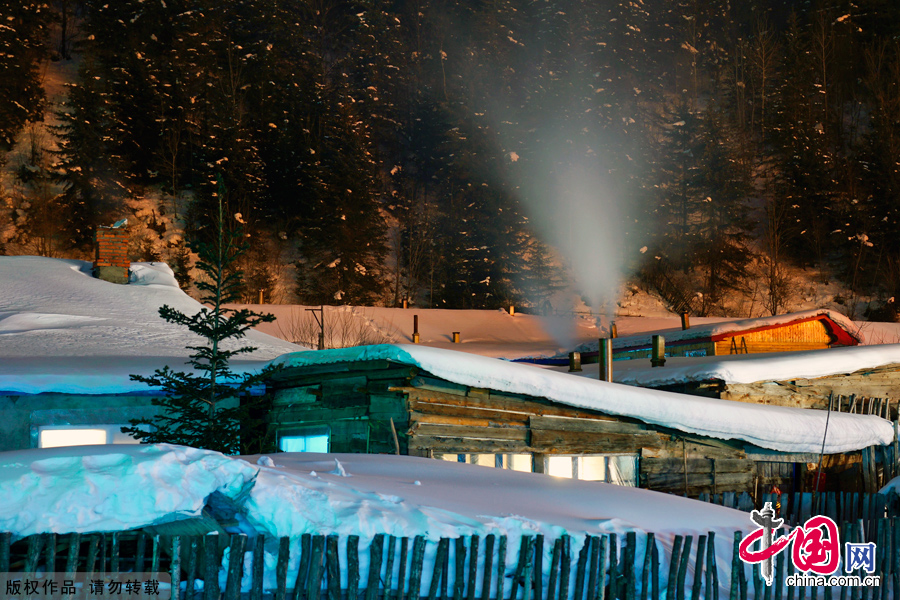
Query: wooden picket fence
x=467 y=568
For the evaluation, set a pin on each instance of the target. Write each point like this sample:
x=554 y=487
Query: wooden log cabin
x=809 y=330
x=448 y=405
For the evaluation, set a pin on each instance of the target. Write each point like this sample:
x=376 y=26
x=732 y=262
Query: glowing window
x=312 y=439
x=54 y=436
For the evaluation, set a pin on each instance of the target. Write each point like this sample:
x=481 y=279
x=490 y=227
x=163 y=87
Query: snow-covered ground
x=62 y=330
x=106 y=488
x=775 y=427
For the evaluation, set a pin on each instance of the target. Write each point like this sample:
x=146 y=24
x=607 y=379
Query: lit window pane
x=54 y=438
x=304 y=443
x=592 y=468
x=520 y=462
x=484 y=460
x=560 y=466
x=623 y=470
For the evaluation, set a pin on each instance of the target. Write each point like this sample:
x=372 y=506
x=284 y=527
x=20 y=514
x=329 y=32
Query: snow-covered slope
x=774 y=427
x=63 y=330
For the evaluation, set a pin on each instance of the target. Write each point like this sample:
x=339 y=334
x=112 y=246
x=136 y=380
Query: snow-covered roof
x=753 y=368
x=113 y=488
x=62 y=330
x=775 y=427
x=717 y=330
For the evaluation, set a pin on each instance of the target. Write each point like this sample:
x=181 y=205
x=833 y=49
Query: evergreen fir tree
x=207 y=408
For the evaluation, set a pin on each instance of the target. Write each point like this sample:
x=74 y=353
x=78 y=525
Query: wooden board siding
x=805 y=335
x=433 y=416
x=706 y=348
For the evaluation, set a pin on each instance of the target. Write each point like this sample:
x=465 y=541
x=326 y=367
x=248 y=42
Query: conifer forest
x=466 y=153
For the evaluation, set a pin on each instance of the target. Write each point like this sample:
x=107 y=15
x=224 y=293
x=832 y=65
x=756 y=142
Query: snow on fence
x=625 y=567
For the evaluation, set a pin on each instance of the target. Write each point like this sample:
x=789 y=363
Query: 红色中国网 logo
x=815 y=550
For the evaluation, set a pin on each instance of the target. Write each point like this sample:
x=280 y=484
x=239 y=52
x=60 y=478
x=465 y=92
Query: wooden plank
x=584 y=425
x=141 y=542
x=698 y=568
x=303 y=569
x=191 y=572
x=630 y=554
x=613 y=566
x=501 y=567
x=554 y=569
x=538 y=567
x=570 y=441
x=480 y=412
x=649 y=543
x=423 y=443
x=581 y=568
x=416 y=418
x=432 y=384
x=285 y=417
x=462 y=431
x=696 y=480
x=673 y=567
x=91 y=564
x=525 y=405
x=696 y=465
x=33 y=554
x=594 y=567
x=50 y=552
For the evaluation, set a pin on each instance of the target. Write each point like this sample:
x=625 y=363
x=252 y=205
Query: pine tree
x=207 y=408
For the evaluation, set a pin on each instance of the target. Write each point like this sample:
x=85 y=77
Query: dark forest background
x=381 y=150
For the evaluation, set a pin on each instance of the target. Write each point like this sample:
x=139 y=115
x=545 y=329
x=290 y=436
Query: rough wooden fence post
x=5 y=541
x=404 y=565
x=593 y=567
x=71 y=559
x=376 y=553
x=333 y=567
x=389 y=568
x=459 y=568
x=682 y=568
x=630 y=554
x=473 y=567
x=565 y=568
x=554 y=567
x=438 y=574
x=303 y=570
x=33 y=554
x=316 y=570
x=613 y=566
x=488 y=567
x=538 y=567
x=235 y=567
x=352 y=567
x=698 y=568
x=50 y=552
x=415 y=574
x=524 y=545
x=281 y=567
x=174 y=567
x=604 y=541
x=259 y=567
x=649 y=542
x=673 y=568
x=583 y=556
x=501 y=567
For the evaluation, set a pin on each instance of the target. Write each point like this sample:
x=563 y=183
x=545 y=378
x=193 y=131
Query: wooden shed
x=809 y=330
x=339 y=401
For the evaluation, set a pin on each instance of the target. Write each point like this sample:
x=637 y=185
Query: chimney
x=111 y=254
x=574 y=361
x=658 y=354
x=606 y=359
x=685 y=320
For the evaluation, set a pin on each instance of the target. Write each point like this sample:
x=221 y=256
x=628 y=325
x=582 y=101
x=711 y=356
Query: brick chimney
x=111 y=254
